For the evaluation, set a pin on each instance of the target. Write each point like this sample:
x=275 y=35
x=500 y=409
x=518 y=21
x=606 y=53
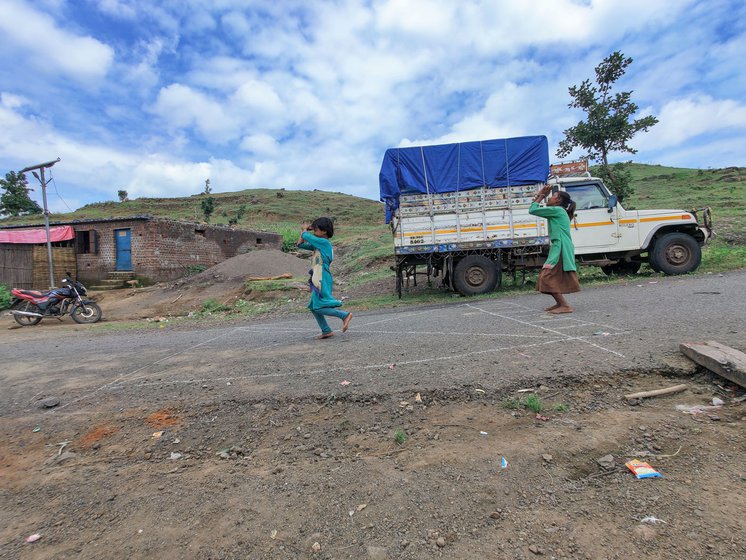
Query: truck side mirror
x=612 y=202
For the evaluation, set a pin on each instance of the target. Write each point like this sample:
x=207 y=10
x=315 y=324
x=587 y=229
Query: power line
x=51 y=178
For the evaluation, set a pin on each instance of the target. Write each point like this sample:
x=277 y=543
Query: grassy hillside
x=671 y=187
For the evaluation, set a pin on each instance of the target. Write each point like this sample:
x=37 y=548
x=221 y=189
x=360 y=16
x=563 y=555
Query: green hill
x=724 y=190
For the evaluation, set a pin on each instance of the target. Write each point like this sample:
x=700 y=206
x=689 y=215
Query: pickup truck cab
x=619 y=240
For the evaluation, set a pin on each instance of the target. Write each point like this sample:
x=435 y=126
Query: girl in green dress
x=316 y=238
x=559 y=275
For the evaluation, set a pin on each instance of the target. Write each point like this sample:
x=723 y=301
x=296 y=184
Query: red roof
x=36 y=235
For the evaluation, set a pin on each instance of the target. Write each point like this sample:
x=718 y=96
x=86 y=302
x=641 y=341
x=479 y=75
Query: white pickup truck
x=472 y=236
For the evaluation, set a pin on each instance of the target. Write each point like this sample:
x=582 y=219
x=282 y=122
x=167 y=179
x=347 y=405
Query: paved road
x=486 y=343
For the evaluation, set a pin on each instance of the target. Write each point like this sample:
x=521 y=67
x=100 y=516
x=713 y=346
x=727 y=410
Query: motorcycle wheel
x=91 y=313
x=25 y=320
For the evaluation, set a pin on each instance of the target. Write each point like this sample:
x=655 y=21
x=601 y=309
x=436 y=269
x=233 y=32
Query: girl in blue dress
x=316 y=238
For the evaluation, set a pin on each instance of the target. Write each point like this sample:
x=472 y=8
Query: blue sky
x=155 y=97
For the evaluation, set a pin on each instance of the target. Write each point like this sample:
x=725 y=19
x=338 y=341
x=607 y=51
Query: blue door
x=124 y=249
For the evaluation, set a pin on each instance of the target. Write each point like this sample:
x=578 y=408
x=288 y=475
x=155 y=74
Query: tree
x=607 y=127
x=208 y=207
x=123 y=196
x=15 y=201
x=618 y=178
x=208 y=189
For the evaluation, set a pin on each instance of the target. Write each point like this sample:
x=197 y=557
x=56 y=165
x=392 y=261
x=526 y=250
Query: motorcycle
x=31 y=306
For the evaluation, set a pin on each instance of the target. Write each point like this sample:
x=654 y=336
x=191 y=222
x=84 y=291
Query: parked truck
x=460 y=211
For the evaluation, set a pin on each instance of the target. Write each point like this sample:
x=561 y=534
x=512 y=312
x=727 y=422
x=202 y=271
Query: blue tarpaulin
x=462 y=166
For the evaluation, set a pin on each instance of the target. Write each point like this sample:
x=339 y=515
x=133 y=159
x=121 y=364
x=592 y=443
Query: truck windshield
x=587 y=196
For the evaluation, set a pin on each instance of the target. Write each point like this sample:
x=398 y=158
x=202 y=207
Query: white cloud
x=258 y=96
x=49 y=47
x=182 y=106
x=260 y=144
x=117 y=8
x=683 y=119
x=12 y=101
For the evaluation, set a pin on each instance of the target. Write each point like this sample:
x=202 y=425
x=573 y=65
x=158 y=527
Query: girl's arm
x=309 y=241
x=301 y=243
x=546 y=211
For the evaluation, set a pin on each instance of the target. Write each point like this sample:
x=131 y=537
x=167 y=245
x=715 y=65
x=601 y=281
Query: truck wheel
x=675 y=253
x=621 y=268
x=474 y=275
x=652 y=263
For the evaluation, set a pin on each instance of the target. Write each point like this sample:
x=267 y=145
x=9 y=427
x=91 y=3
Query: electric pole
x=41 y=167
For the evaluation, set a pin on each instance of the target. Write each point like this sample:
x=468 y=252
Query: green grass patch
x=213 y=306
x=530 y=402
x=283 y=284
x=400 y=436
x=718 y=257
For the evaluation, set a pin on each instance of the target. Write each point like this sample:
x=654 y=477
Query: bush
x=5 y=297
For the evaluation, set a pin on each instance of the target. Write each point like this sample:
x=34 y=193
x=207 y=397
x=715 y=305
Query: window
x=86 y=242
x=587 y=196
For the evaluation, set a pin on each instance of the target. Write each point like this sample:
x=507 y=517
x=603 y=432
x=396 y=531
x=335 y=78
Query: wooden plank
x=723 y=360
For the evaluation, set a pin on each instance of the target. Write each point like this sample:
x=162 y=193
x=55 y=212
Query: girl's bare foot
x=562 y=309
x=325 y=335
x=346 y=322
x=555 y=306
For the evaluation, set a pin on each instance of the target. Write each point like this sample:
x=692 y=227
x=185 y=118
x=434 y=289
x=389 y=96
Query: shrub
x=5 y=297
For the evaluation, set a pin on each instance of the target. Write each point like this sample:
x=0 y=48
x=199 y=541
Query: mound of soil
x=268 y=262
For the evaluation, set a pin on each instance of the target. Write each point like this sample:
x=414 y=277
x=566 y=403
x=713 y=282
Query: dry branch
x=656 y=393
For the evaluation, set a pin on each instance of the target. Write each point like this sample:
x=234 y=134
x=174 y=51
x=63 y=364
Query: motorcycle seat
x=32 y=293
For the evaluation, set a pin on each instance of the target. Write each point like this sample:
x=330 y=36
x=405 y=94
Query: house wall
x=164 y=249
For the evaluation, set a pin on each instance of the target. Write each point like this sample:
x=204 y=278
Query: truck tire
x=621 y=268
x=651 y=262
x=474 y=275
x=675 y=253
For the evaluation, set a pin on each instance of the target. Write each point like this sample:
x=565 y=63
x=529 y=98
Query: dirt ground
x=186 y=474
x=224 y=283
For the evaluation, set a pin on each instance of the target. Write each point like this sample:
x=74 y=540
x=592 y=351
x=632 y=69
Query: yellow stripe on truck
x=640 y=220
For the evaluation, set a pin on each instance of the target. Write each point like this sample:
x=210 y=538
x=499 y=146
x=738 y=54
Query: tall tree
x=123 y=196
x=208 y=207
x=608 y=127
x=15 y=201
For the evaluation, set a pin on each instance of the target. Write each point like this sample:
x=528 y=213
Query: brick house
x=153 y=248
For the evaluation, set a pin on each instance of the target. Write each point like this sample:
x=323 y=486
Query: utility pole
x=41 y=167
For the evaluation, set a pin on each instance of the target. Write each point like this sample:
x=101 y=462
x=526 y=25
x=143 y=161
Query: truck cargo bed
x=480 y=218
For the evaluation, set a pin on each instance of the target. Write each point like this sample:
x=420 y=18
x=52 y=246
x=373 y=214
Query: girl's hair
x=567 y=203
x=325 y=225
